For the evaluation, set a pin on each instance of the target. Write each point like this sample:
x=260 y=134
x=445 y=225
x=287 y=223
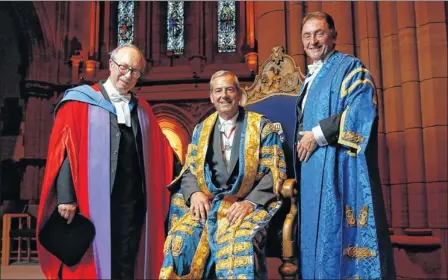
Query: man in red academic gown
x=109 y=160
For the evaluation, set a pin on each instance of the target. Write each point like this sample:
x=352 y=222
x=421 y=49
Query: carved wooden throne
x=274 y=94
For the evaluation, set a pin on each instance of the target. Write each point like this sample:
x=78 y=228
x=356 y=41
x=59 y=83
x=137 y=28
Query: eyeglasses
x=124 y=70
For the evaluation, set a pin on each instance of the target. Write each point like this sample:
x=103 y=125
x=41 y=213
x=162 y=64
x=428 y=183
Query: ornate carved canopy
x=279 y=75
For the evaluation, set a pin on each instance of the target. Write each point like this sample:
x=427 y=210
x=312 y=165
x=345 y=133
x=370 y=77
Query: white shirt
x=314 y=70
x=227 y=128
x=120 y=102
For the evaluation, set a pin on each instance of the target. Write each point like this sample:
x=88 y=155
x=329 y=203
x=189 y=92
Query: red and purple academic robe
x=81 y=130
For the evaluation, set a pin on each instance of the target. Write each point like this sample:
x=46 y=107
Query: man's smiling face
x=225 y=96
x=318 y=39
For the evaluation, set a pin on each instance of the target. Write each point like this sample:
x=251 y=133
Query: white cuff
x=319 y=136
x=253 y=203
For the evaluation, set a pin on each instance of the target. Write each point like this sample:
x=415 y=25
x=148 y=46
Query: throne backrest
x=274 y=94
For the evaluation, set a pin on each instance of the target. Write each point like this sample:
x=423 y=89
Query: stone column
x=94 y=30
x=155 y=27
x=433 y=75
x=369 y=53
x=393 y=110
x=269 y=27
x=38 y=125
x=107 y=40
x=412 y=120
x=313 y=6
x=341 y=12
x=196 y=45
x=295 y=45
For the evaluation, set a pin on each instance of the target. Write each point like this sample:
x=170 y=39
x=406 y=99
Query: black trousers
x=126 y=225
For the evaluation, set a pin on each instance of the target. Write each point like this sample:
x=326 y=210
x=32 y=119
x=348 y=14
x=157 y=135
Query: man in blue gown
x=343 y=230
x=224 y=198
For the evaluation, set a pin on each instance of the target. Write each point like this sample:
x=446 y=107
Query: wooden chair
x=273 y=94
x=18 y=239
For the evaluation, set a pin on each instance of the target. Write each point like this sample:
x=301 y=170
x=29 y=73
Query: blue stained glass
x=125 y=22
x=226 y=26
x=175 y=27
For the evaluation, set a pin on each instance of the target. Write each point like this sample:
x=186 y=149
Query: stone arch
x=22 y=38
x=177 y=124
x=35 y=31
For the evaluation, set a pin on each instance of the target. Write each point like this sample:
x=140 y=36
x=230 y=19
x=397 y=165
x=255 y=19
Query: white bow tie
x=225 y=126
x=313 y=67
x=115 y=97
x=121 y=104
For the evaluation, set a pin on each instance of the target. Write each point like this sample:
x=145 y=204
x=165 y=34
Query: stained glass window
x=125 y=22
x=175 y=27
x=226 y=26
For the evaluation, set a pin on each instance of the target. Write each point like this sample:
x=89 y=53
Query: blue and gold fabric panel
x=272 y=156
x=358 y=98
x=185 y=244
x=360 y=241
x=234 y=256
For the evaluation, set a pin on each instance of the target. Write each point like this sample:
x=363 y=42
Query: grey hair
x=222 y=73
x=128 y=45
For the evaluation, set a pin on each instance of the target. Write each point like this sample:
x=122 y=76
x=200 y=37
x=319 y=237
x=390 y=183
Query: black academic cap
x=68 y=242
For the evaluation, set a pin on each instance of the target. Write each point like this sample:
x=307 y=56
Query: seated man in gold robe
x=225 y=196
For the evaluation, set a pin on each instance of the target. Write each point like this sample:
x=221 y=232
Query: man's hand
x=306 y=146
x=67 y=211
x=239 y=210
x=199 y=206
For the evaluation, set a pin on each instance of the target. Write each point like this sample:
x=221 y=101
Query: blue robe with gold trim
x=192 y=248
x=343 y=229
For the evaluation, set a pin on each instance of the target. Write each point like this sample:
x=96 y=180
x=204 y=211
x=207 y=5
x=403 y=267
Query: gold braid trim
x=251 y=153
x=351 y=220
x=352 y=137
x=282 y=164
x=354 y=278
x=204 y=139
x=185 y=224
x=167 y=245
x=268 y=129
x=174 y=220
x=362 y=221
x=179 y=201
x=198 y=263
x=261 y=215
x=344 y=90
x=359 y=253
x=168 y=273
x=275 y=162
x=355 y=84
x=176 y=245
x=237 y=262
x=341 y=139
x=200 y=257
x=270 y=151
x=237 y=248
x=188 y=161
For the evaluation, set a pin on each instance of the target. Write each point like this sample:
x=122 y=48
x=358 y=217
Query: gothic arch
x=34 y=31
x=177 y=124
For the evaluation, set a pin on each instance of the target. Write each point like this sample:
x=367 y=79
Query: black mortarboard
x=68 y=242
